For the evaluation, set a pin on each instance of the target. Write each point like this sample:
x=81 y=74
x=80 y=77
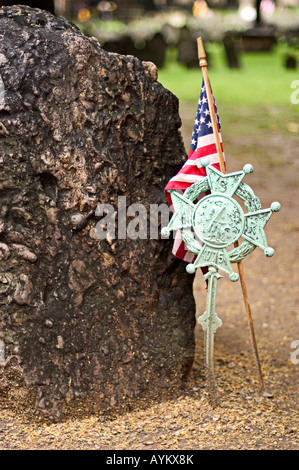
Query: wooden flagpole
x=203 y=64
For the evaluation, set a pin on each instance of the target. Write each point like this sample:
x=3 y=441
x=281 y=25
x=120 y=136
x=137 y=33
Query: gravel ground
x=247 y=418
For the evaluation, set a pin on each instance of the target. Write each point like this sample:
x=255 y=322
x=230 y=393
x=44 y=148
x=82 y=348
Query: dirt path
x=246 y=419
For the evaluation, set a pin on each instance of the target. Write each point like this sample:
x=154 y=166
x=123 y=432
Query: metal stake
x=210 y=321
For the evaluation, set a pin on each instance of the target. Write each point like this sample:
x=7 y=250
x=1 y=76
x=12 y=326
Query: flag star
x=193 y=142
x=209 y=124
x=204 y=100
x=202 y=119
x=207 y=112
x=203 y=89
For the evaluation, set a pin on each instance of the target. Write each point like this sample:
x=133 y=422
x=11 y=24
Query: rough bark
x=88 y=325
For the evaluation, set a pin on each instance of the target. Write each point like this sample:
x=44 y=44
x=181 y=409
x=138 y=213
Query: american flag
x=202 y=145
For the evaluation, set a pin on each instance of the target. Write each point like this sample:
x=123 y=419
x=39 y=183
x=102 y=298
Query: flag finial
x=202 y=57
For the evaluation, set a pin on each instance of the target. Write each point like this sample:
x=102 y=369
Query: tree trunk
x=88 y=324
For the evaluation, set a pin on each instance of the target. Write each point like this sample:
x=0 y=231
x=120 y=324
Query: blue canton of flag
x=203 y=124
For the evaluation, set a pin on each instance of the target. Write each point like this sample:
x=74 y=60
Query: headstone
x=290 y=61
x=262 y=38
x=90 y=321
x=146 y=47
x=187 y=47
x=232 y=50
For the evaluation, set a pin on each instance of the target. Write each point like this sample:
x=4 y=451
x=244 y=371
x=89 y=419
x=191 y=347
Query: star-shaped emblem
x=218 y=220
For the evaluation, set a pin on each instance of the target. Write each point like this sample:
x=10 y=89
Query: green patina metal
x=209 y=225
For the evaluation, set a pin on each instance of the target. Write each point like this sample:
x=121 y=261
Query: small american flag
x=202 y=145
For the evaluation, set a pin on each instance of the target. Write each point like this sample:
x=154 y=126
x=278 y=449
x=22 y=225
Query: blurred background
x=252 y=48
x=148 y=28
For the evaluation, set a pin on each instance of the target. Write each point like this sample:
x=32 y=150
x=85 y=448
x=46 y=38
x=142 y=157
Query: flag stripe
x=212 y=157
x=179 y=249
x=188 y=178
x=205 y=151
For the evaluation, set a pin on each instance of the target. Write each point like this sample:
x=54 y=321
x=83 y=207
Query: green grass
x=261 y=81
x=253 y=99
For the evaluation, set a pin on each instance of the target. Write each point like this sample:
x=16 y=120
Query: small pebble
x=267 y=395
